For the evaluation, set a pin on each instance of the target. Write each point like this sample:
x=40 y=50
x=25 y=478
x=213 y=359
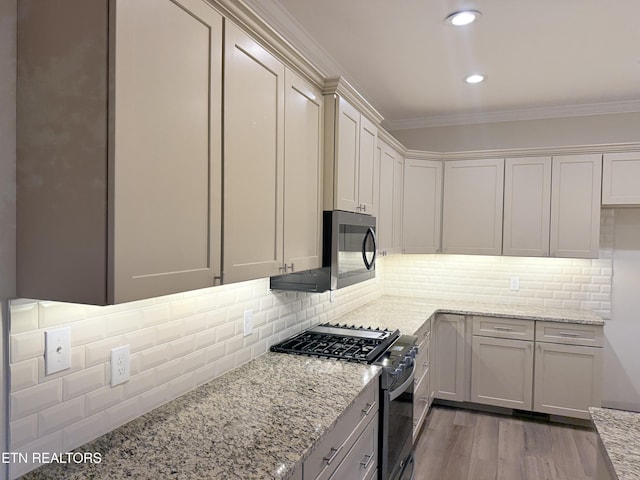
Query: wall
x=7 y=191
x=547 y=133
x=549 y=282
x=621 y=382
x=177 y=342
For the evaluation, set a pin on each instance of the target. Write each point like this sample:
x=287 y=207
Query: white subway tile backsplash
x=59 y=416
x=24 y=317
x=32 y=400
x=82 y=432
x=53 y=314
x=49 y=443
x=24 y=374
x=123 y=322
x=139 y=383
x=100 y=352
x=168 y=371
x=24 y=346
x=84 y=381
x=103 y=398
x=168 y=331
x=77 y=365
x=123 y=412
x=180 y=341
x=154 y=315
x=88 y=331
x=24 y=430
x=153 y=357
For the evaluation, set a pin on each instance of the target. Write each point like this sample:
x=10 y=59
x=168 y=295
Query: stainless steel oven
x=396 y=411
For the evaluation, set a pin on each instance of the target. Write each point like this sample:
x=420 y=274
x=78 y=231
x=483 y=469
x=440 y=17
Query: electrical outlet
x=120 y=365
x=57 y=350
x=514 y=284
x=248 y=322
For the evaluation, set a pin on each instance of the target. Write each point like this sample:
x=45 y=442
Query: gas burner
x=343 y=342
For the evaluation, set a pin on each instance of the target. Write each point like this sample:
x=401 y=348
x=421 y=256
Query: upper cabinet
x=472 y=209
x=575 y=206
x=422 y=206
x=351 y=170
x=119 y=137
x=272 y=186
x=302 y=175
x=389 y=231
x=621 y=179
x=527 y=206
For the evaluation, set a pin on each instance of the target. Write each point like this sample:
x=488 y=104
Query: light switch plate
x=120 y=365
x=57 y=350
x=514 y=284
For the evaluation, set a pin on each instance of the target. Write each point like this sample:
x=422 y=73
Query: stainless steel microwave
x=348 y=255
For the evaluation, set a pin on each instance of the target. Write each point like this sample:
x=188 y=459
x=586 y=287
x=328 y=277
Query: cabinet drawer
x=333 y=448
x=420 y=402
x=422 y=359
x=424 y=331
x=503 y=327
x=363 y=456
x=569 y=333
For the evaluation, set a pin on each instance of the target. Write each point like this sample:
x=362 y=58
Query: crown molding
x=542 y=151
x=247 y=16
x=340 y=86
x=536 y=113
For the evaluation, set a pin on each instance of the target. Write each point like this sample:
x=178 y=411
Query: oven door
x=397 y=429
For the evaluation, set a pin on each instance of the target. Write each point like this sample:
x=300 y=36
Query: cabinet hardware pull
x=288 y=266
x=569 y=334
x=367 y=409
x=333 y=455
x=284 y=268
x=367 y=461
x=503 y=329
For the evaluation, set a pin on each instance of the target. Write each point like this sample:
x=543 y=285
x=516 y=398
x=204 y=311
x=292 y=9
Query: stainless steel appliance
x=348 y=255
x=395 y=354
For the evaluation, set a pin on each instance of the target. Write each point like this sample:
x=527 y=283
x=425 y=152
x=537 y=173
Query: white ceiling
x=542 y=58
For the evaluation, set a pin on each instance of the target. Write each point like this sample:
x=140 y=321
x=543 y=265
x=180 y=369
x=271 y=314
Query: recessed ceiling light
x=475 y=78
x=463 y=17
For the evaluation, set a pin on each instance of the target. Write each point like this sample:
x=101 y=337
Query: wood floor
x=460 y=444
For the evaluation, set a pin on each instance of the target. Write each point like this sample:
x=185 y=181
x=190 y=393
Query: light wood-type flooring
x=457 y=444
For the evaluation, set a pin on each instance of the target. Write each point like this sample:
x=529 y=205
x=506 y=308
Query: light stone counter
x=408 y=313
x=259 y=421
x=619 y=432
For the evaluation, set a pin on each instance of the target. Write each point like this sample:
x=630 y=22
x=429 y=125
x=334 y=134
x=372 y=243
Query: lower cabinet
x=423 y=390
x=449 y=370
x=350 y=449
x=502 y=362
x=502 y=372
x=568 y=379
x=561 y=375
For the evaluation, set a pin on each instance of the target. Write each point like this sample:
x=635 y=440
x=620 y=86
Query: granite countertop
x=408 y=313
x=619 y=432
x=262 y=420
x=259 y=421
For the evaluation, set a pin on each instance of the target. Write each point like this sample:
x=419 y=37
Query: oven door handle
x=393 y=394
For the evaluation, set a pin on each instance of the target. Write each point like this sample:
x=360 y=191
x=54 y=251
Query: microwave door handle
x=371 y=233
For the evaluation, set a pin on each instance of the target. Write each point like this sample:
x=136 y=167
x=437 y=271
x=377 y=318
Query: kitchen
x=161 y=327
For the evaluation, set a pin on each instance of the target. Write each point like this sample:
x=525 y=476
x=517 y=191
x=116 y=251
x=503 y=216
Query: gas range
x=342 y=342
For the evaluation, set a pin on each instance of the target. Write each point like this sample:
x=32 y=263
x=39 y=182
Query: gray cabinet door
x=165 y=165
